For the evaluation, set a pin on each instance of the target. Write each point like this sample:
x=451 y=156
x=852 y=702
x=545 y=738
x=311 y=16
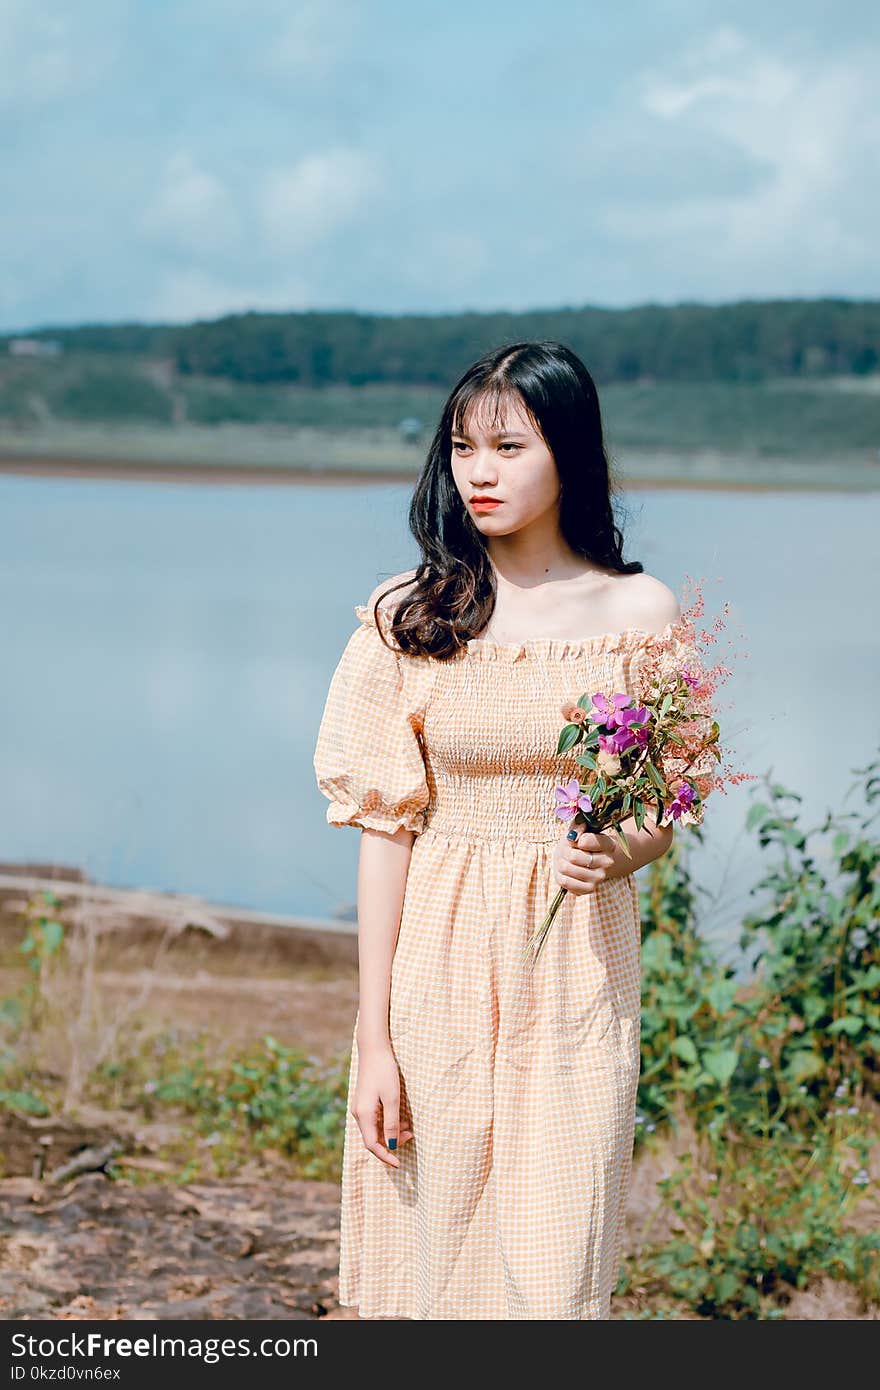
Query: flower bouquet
x=652 y=750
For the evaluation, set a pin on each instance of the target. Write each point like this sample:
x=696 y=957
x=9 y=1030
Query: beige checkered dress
x=520 y=1092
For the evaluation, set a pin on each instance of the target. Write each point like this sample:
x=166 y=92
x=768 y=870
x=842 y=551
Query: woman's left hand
x=581 y=865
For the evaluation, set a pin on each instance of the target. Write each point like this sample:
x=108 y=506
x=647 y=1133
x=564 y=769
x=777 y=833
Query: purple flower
x=610 y=710
x=618 y=742
x=635 y=716
x=689 y=678
x=684 y=799
x=569 y=800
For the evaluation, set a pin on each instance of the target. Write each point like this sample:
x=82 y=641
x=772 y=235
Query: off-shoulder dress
x=520 y=1089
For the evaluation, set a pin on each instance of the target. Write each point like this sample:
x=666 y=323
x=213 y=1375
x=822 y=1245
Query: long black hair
x=452 y=595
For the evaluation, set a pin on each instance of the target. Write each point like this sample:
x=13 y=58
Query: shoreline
x=165 y=471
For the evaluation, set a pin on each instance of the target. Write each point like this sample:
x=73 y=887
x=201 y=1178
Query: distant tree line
x=747 y=341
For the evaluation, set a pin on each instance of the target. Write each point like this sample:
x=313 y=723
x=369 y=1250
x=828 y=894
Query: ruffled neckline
x=487 y=647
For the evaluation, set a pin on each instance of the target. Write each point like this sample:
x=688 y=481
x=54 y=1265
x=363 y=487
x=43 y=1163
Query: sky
x=171 y=160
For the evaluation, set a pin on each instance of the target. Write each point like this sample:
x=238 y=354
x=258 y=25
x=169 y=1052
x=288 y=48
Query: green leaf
x=720 y=995
x=639 y=813
x=684 y=1048
x=802 y=1065
x=24 y=1101
x=655 y=776
x=53 y=935
x=849 y=1024
x=756 y=814
x=621 y=835
x=568 y=738
x=726 y=1287
x=720 y=1063
x=865 y=980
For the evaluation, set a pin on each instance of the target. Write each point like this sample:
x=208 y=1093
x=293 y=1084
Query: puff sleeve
x=368 y=756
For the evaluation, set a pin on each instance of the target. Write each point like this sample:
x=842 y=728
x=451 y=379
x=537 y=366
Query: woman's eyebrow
x=502 y=434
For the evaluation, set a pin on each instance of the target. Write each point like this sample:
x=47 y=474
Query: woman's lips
x=481 y=506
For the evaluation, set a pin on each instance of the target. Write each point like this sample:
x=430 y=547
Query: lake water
x=168 y=648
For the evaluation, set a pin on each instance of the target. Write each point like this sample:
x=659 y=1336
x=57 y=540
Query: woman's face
x=508 y=460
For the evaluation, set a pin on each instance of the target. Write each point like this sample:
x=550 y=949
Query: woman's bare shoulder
x=390 y=584
x=646 y=602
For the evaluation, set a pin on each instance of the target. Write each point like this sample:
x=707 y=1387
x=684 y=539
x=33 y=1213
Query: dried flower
x=572 y=713
x=654 y=746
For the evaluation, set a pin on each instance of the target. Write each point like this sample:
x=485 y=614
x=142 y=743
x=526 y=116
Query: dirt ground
x=253 y=1246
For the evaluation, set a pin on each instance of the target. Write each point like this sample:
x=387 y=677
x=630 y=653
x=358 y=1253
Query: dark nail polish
x=392 y=1143
x=572 y=835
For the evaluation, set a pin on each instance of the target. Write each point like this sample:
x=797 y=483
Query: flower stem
x=536 y=940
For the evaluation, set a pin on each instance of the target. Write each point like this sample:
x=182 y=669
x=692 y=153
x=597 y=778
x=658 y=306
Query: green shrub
x=689 y=1033
x=111 y=394
x=814 y=1017
x=267 y=1097
x=750 y=1224
x=772 y=1052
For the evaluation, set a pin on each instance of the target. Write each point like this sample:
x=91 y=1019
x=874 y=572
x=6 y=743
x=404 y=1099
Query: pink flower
x=610 y=710
x=618 y=742
x=684 y=800
x=630 y=734
x=569 y=800
x=634 y=716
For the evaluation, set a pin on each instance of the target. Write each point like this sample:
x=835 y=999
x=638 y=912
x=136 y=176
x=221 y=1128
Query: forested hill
x=751 y=340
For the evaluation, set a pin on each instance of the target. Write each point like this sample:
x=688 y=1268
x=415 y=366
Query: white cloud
x=49 y=52
x=312 y=39
x=308 y=40
x=192 y=208
x=457 y=259
x=302 y=204
x=192 y=293
x=810 y=125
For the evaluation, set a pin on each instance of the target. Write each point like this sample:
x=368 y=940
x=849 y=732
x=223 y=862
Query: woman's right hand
x=376 y=1102
x=581 y=865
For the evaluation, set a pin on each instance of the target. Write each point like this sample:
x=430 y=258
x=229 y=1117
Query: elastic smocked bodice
x=489 y=720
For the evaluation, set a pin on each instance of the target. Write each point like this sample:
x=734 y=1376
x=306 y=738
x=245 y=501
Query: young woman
x=489 y=1132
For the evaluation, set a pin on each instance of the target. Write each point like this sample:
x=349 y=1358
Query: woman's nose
x=482 y=469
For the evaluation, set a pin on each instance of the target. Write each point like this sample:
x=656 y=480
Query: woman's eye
x=458 y=446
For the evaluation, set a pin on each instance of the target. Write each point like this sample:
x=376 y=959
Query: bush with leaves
x=774 y=1050
x=813 y=1020
x=777 y=1075
x=753 y=1222
x=689 y=1018
x=267 y=1097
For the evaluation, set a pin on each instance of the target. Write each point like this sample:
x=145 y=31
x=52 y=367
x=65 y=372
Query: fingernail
x=392 y=1143
x=572 y=835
